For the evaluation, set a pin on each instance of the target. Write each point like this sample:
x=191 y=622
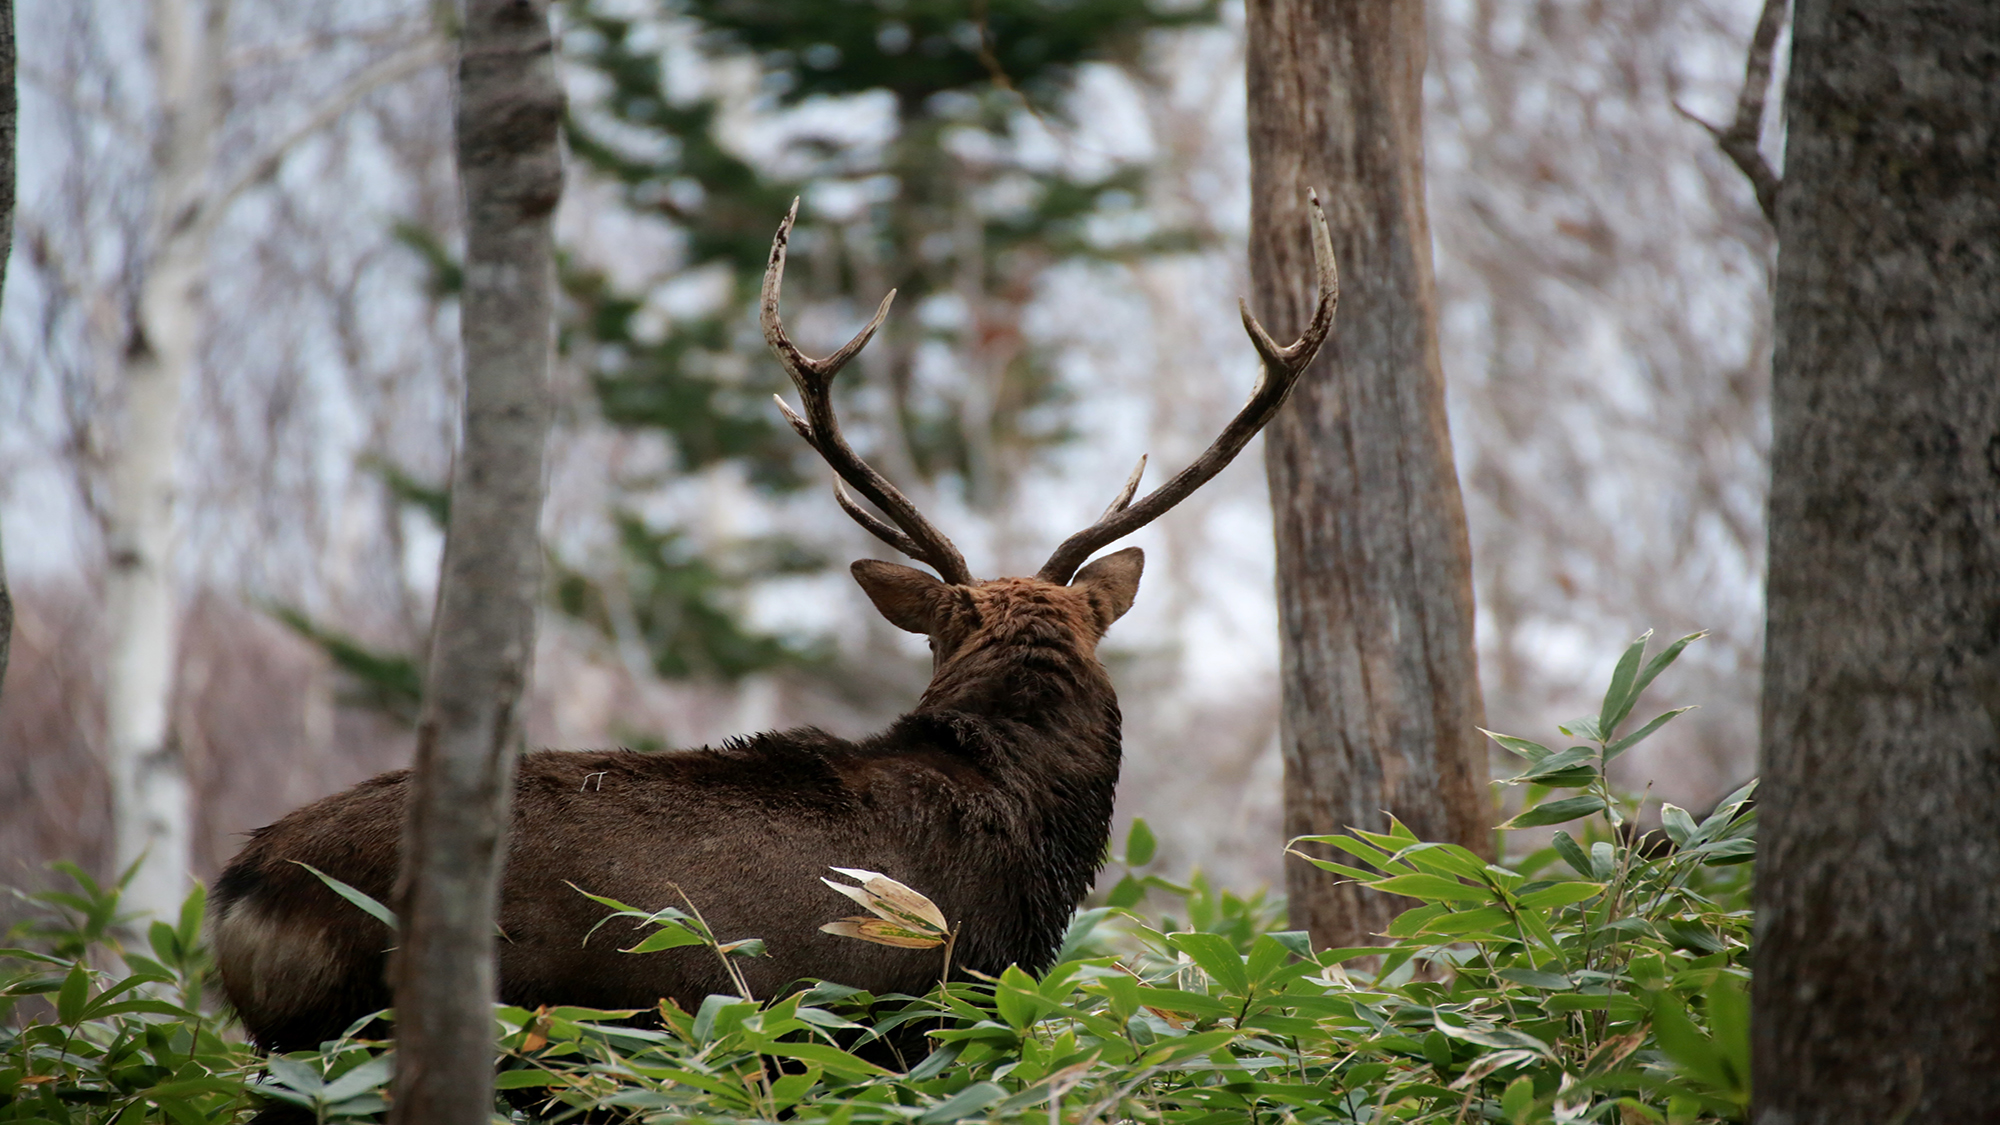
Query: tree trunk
x=149 y=787
x=1381 y=693
x=9 y=111
x=483 y=634
x=1877 y=988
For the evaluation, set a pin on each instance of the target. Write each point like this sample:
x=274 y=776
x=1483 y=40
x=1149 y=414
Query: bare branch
x=1739 y=142
x=814 y=379
x=1280 y=373
x=397 y=67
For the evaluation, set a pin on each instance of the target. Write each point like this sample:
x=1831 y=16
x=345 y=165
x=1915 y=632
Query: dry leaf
x=882 y=931
x=537 y=1036
x=886 y=898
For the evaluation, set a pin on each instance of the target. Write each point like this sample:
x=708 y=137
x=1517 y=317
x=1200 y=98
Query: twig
x=264 y=165
x=715 y=943
x=1739 y=141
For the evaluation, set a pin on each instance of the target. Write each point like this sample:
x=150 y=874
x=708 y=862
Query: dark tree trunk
x=483 y=635
x=1381 y=690
x=1877 y=994
x=9 y=112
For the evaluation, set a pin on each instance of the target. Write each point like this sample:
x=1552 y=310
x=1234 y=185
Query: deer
x=993 y=795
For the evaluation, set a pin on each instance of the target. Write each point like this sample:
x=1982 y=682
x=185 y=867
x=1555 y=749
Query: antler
x=1280 y=373
x=814 y=379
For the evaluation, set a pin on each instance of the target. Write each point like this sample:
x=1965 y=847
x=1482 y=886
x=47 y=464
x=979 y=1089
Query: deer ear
x=1112 y=582
x=908 y=598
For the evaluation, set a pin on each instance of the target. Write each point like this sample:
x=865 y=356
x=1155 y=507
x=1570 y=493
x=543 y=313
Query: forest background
x=1067 y=222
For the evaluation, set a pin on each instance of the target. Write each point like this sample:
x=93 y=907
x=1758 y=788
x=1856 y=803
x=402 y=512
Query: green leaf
x=1446 y=859
x=1659 y=664
x=1411 y=922
x=75 y=993
x=1139 y=844
x=1555 y=982
x=1017 y=999
x=1618 y=697
x=670 y=935
x=527 y=1079
x=1572 y=854
x=1432 y=888
x=1693 y=1052
x=1727 y=809
x=1638 y=736
x=1583 y=726
x=1437 y=1051
x=1557 y=765
x=1533 y=751
x=370 y=1075
x=1217 y=957
x=1729 y=1021
x=935 y=1062
x=1186 y=1003
x=1469 y=921
x=1126 y=894
x=1350 y=952
x=359 y=898
x=1603 y=860
x=1299 y=942
x=1679 y=825
x=1500 y=1037
x=829 y=1058
x=1518 y=1100
x=1556 y=812
x=1562 y=894
x=295 y=1075
x=1172 y=1050
x=965 y=1103
x=1723 y=853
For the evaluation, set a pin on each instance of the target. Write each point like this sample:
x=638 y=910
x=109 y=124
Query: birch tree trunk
x=1877 y=985
x=149 y=785
x=483 y=635
x=1381 y=694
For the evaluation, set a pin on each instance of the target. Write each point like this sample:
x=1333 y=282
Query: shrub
x=1602 y=977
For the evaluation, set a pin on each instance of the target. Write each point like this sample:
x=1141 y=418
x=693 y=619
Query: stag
x=993 y=795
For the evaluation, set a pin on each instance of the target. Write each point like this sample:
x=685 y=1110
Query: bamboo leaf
x=1640 y=735
x=1556 y=812
x=882 y=931
x=891 y=900
x=1140 y=844
x=1618 y=697
x=358 y=897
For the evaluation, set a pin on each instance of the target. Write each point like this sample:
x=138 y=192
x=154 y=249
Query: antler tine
x=821 y=430
x=1280 y=372
x=874 y=525
x=1124 y=498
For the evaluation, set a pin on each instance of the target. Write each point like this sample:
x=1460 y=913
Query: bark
x=482 y=637
x=1877 y=987
x=1381 y=698
x=149 y=784
x=9 y=111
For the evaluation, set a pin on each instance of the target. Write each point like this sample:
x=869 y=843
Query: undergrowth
x=1602 y=977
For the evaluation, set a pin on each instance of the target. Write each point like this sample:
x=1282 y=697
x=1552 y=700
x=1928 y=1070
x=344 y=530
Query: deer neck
x=1042 y=684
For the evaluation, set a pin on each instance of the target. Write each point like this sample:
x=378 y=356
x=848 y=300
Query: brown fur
x=993 y=797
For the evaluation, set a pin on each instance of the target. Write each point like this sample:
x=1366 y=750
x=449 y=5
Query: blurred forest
x=1059 y=192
